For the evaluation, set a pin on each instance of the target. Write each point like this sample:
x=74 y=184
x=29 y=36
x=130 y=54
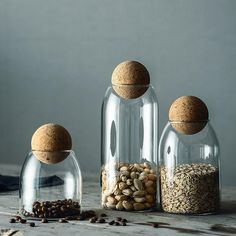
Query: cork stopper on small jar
x=50 y=143
x=188 y=115
x=130 y=79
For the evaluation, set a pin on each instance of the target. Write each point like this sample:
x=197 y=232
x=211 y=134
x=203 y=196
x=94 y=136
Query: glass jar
x=189 y=169
x=129 y=151
x=50 y=190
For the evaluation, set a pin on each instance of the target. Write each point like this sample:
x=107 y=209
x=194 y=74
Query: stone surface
x=195 y=225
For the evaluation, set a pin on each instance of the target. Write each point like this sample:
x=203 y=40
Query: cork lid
x=50 y=143
x=130 y=79
x=188 y=115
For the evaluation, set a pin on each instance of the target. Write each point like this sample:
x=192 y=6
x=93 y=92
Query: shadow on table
x=228 y=207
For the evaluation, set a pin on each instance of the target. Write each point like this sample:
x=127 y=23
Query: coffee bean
x=103 y=215
x=44 y=220
x=18 y=218
x=23 y=221
x=123 y=224
x=101 y=221
x=124 y=221
x=12 y=220
x=62 y=221
x=111 y=222
x=32 y=224
x=117 y=224
x=92 y=220
x=155 y=225
x=118 y=218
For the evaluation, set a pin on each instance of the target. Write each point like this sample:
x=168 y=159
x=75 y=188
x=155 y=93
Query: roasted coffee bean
x=117 y=223
x=23 y=221
x=103 y=215
x=18 y=218
x=81 y=217
x=118 y=218
x=12 y=220
x=101 y=220
x=32 y=224
x=93 y=220
x=44 y=220
x=155 y=225
x=123 y=224
x=62 y=221
x=111 y=222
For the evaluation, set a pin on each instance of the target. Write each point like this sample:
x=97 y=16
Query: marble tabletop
x=137 y=222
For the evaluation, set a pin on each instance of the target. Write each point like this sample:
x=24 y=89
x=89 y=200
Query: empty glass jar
x=129 y=143
x=50 y=184
x=189 y=163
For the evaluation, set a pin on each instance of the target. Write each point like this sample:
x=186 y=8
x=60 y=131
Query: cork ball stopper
x=130 y=79
x=50 y=143
x=188 y=115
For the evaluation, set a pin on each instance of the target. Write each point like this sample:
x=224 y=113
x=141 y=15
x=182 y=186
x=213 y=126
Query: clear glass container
x=189 y=171
x=50 y=190
x=129 y=151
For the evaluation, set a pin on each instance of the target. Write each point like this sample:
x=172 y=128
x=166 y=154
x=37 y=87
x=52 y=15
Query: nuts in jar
x=129 y=187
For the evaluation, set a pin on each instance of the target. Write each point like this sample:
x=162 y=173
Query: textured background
x=56 y=60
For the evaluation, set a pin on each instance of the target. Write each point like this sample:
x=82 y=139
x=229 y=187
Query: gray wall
x=56 y=60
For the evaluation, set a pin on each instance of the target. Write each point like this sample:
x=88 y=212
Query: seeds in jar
x=129 y=186
x=190 y=189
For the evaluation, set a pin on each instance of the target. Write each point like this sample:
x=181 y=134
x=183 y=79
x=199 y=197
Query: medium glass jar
x=189 y=168
x=129 y=150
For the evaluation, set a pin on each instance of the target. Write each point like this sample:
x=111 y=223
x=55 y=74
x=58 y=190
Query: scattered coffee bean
x=117 y=223
x=118 y=218
x=32 y=224
x=18 y=218
x=23 y=221
x=155 y=225
x=44 y=220
x=101 y=220
x=12 y=220
x=103 y=215
x=81 y=217
x=93 y=219
x=62 y=221
x=123 y=224
x=111 y=222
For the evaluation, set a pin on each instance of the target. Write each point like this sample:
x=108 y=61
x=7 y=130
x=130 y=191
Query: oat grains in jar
x=189 y=160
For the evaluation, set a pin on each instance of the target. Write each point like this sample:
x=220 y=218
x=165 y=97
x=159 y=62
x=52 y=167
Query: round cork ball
x=50 y=143
x=188 y=115
x=130 y=79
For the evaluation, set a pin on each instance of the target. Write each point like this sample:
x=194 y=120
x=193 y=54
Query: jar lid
x=50 y=143
x=188 y=115
x=130 y=79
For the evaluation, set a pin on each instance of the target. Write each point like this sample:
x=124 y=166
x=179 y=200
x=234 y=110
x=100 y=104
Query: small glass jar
x=129 y=150
x=50 y=190
x=189 y=170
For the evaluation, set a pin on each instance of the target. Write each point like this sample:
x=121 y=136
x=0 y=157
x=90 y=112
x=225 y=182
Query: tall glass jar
x=129 y=148
x=189 y=165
